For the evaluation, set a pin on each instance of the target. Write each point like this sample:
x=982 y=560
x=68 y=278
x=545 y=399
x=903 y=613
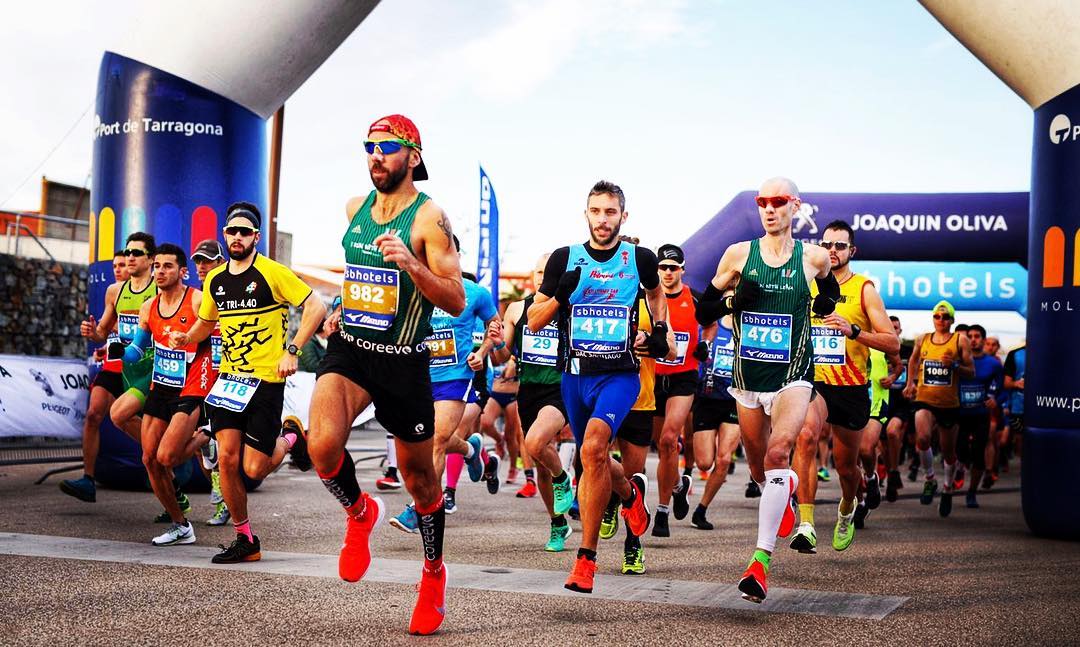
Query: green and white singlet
x=773 y=347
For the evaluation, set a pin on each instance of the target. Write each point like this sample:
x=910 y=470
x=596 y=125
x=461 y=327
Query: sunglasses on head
x=666 y=267
x=240 y=231
x=134 y=252
x=776 y=201
x=938 y=316
x=386 y=146
x=838 y=245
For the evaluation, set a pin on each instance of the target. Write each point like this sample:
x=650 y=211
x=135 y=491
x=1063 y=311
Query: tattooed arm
x=432 y=262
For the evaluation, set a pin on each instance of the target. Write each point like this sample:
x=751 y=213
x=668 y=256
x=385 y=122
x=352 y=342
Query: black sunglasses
x=134 y=252
x=240 y=231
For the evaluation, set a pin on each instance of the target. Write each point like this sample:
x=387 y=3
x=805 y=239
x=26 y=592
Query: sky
x=682 y=103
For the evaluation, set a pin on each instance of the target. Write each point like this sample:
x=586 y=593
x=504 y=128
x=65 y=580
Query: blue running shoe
x=575 y=511
x=82 y=489
x=450 y=500
x=476 y=463
x=407 y=521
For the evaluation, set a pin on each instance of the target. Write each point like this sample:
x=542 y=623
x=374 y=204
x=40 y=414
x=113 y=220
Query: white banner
x=298 y=390
x=42 y=396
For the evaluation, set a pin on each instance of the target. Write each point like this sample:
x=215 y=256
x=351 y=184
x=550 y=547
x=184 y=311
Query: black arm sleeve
x=553 y=271
x=711 y=306
x=646 y=266
x=829 y=287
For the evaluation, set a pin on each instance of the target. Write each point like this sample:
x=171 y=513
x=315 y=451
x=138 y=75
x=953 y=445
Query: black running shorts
x=532 y=398
x=849 y=406
x=260 y=421
x=710 y=413
x=673 y=385
x=636 y=428
x=399 y=384
x=113 y=382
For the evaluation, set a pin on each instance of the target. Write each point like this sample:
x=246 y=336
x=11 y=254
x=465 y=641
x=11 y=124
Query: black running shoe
x=491 y=474
x=660 y=525
x=699 y=521
x=241 y=550
x=731 y=468
x=893 y=485
x=945 y=505
x=752 y=490
x=861 y=512
x=681 y=504
x=298 y=454
x=873 y=492
x=913 y=473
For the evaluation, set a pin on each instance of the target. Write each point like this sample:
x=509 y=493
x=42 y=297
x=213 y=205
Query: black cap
x=670 y=253
x=210 y=249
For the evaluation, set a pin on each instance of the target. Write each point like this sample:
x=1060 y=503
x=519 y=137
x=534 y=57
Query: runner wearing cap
x=939 y=360
x=249 y=297
x=842 y=342
x=106 y=387
x=772 y=369
x=400 y=263
x=593 y=290
x=676 y=383
x=208 y=254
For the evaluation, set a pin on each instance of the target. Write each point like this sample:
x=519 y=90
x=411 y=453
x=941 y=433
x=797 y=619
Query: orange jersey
x=838 y=360
x=681 y=314
x=171 y=365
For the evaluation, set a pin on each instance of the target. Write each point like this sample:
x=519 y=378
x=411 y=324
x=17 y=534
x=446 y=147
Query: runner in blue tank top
x=593 y=287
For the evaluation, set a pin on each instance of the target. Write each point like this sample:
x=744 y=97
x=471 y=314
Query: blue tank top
x=451 y=338
x=985 y=384
x=716 y=372
x=601 y=320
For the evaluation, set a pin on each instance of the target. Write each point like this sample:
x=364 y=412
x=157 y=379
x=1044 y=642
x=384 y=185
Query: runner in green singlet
x=773 y=369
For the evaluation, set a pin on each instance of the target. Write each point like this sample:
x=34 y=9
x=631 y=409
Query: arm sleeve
x=134 y=351
x=647 y=268
x=553 y=271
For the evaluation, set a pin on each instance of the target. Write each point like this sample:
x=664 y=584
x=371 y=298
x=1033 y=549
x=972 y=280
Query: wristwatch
x=293 y=350
x=855 y=330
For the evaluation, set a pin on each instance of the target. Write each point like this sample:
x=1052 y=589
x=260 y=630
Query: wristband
x=500 y=346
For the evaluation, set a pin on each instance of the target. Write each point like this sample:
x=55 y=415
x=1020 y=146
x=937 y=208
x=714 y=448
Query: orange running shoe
x=430 y=609
x=753 y=585
x=527 y=491
x=355 y=554
x=581 y=578
x=787 y=524
x=638 y=517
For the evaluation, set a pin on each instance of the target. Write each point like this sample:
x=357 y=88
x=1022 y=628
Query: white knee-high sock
x=926 y=457
x=566 y=455
x=775 y=499
x=391 y=451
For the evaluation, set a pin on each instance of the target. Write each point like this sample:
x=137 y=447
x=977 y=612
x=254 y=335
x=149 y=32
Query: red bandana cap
x=403 y=128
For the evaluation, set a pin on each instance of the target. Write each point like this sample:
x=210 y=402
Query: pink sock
x=245 y=529
x=290 y=438
x=454 y=465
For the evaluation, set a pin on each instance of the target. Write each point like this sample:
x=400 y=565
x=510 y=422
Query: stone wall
x=41 y=305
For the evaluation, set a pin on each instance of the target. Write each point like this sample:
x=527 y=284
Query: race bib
x=170 y=366
x=937 y=373
x=232 y=392
x=682 y=342
x=829 y=347
x=215 y=351
x=541 y=347
x=443 y=347
x=972 y=395
x=765 y=337
x=599 y=328
x=723 y=362
x=126 y=326
x=369 y=296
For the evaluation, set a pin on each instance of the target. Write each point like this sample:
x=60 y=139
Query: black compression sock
x=587 y=554
x=559 y=521
x=560 y=479
x=342 y=483
x=432 y=525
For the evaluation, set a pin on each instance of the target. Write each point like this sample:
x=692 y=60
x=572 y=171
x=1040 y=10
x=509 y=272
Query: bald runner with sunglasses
x=772 y=371
x=400 y=264
x=842 y=341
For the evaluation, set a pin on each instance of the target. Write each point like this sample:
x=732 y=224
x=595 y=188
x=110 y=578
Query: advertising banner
x=42 y=396
x=487 y=258
x=968 y=286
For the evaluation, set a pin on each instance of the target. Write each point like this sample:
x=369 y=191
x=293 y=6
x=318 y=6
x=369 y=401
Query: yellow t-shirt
x=253 y=310
x=837 y=359
x=646 y=400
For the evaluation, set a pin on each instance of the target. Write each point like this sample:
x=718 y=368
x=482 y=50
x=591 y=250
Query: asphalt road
x=978 y=577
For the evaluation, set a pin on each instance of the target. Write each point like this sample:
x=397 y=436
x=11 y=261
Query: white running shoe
x=176 y=534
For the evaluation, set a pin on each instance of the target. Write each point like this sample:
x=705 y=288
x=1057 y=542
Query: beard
x=392 y=180
x=606 y=241
x=243 y=253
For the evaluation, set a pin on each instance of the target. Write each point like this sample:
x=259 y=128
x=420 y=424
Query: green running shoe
x=805 y=540
x=185 y=507
x=633 y=561
x=221 y=515
x=564 y=495
x=823 y=475
x=557 y=542
x=844 y=532
x=609 y=524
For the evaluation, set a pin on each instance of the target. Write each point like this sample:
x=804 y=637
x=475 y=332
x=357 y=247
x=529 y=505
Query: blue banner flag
x=487 y=258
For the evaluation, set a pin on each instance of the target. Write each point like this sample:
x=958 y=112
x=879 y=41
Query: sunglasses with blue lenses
x=386 y=146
